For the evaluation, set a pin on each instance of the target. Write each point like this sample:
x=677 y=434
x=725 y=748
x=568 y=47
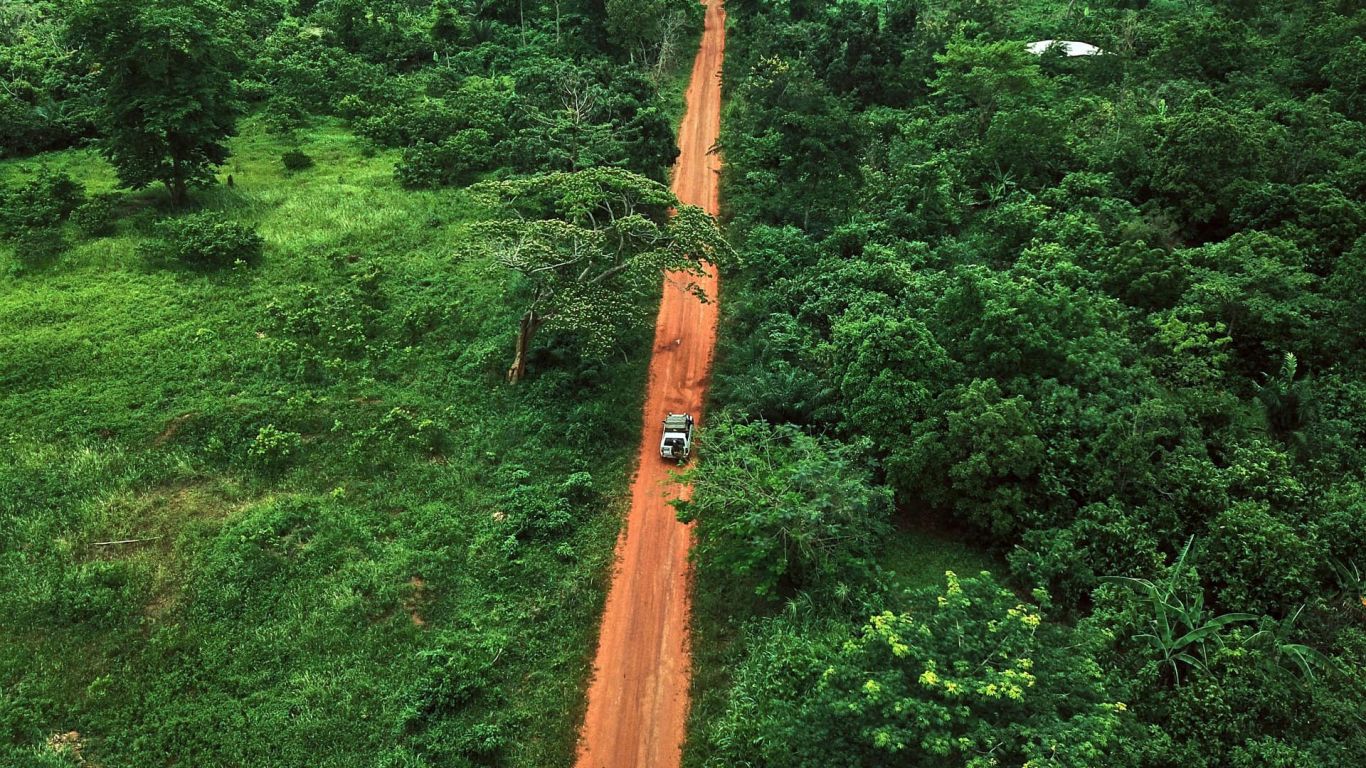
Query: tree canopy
x=587 y=246
x=169 y=99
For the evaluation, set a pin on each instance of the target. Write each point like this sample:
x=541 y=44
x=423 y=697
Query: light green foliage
x=986 y=76
x=966 y=675
x=315 y=450
x=1257 y=286
x=272 y=448
x=287 y=515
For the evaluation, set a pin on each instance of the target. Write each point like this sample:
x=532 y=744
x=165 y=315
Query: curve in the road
x=638 y=697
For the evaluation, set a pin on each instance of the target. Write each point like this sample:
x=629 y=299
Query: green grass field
x=354 y=544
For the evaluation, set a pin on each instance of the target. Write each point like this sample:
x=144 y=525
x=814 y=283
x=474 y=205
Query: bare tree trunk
x=526 y=329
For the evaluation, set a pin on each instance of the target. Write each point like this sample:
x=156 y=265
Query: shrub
x=96 y=217
x=454 y=161
x=206 y=240
x=284 y=114
x=429 y=121
x=400 y=426
x=38 y=246
x=531 y=511
x=296 y=160
x=273 y=448
x=44 y=201
x=820 y=518
x=578 y=488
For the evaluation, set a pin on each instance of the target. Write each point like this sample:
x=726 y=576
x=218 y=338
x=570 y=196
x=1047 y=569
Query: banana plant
x=1351 y=581
x=1180 y=625
x=1275 y=637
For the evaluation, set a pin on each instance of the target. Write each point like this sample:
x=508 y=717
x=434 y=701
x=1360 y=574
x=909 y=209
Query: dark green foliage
x=166 y=72
x=98 y=216
x=1090 y=308
x=45 y=200
x=455 y=160
x=208 y=241
x=784 y=511
x=36 y=247
x=47 y=99
x=296 y=160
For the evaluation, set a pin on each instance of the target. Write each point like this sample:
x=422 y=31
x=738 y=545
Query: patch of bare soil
x=68 y=743
x=414 y=601
x=172 y=428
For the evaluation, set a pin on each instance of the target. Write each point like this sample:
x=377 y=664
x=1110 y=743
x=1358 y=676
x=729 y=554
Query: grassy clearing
x=361 y=547
x=918 y=554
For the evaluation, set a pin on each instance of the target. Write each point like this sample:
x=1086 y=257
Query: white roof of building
x=1069 y=47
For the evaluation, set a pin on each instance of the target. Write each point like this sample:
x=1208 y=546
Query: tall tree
x=588 y=246
x=166 y=69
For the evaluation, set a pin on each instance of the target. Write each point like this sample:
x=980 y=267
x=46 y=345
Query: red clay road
x=638 y=699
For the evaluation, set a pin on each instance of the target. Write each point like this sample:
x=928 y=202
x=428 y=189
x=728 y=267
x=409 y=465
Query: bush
x=454 y=161
x=402 y=427
x=284 y=114
x=296 y=160
x=273 y=448
x=38 y=246
x=530 y=510
x=46 y=200
x=819 y=519
x=206 y=240
x=428 y=121
x=96 y=217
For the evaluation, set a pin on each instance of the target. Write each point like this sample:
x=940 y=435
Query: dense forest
x=1036 y=434
x=1100 y=315
x=266 y=498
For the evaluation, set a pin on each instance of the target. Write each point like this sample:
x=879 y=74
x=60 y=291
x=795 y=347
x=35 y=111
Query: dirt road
x=638 y=700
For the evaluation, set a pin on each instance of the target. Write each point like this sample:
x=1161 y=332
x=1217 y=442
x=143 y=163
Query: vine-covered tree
x=588 y=246
x=168 y=103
